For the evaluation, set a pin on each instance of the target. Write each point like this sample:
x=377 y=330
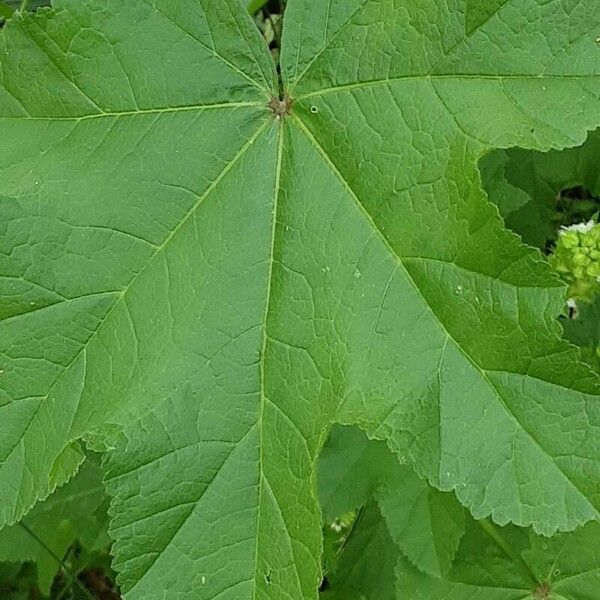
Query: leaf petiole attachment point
x=281 y=107
x=542 y=592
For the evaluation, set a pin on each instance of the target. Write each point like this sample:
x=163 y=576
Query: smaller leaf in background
x=271 y=28
x=335 y=536
x=31 y=5
x=529 y=216
x=416 y=585
x=569 y=563
x=490 y=556
x=76 y=511
x=426 y=524
x=511 y=563
x=6 y=11
x=584 y=331
x=543 y=175
x=269 y=23
x=537 y=192
x=350 y=469
x=366 y=567
x=16 y=581
x=443 y=553
x=9 y=7
x=541 y=194
x=255 y=5
x=66 y=465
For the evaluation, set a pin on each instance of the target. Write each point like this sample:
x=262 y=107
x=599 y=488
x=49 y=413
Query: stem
x=24 y=5
x=357 y=520
x=74 y=579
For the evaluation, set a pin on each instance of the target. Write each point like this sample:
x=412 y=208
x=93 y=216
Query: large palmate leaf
x=201 y=277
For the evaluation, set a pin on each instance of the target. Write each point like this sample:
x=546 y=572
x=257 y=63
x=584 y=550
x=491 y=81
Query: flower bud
x=577 y=258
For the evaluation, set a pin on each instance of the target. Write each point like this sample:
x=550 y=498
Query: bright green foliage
x=202 y=285
x=75 y=512
x=577 y=259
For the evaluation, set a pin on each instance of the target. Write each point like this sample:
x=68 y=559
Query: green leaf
x=490 y=556
x=512 y=564
x=16 y=581
x=6 y=11
x=57 y=314
x=531 y=217
x=74 y=512
x=351 y=467
x=203 y=283
x=13 y=5
x=255 y=5
x=366 y=569
x=568 y=563
x=479 y=12
x=525 y=185
x=426 y=524
x=584 y=331
x=473 y=395
x=543 y=175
